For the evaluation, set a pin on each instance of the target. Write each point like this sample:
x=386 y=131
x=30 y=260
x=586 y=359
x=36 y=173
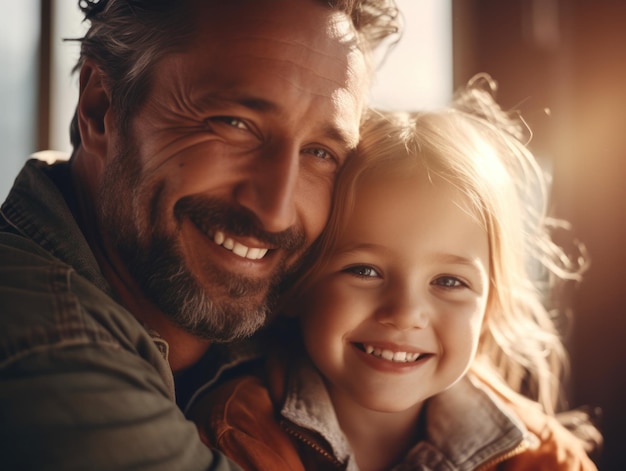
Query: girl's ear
x=93 y=105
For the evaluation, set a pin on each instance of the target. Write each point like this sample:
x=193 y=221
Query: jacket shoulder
x=45 y=303
x=555 y=447
x=240 y=419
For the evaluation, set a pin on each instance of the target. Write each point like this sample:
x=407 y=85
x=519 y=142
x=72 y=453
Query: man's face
x=227 y=174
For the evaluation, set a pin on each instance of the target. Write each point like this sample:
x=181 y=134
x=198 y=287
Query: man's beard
x=155 y=261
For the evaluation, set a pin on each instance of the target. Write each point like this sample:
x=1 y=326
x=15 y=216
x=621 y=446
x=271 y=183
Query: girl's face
x=396 y=315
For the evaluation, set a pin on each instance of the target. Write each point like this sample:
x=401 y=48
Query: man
x=207 y=137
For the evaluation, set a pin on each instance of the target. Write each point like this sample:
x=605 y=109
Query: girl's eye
x=363 y=271
x=449 y=282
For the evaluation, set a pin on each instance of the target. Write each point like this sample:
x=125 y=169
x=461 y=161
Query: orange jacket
x=283 y=422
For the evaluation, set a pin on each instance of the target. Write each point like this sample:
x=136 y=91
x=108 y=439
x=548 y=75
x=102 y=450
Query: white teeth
x=256 y=254
x=238 y=248
x=400 y=357
x=387 y=354
x=253 y=254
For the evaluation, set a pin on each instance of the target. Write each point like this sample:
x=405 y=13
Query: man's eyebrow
x=257 y=104
x=253 y=103
x=341 y=137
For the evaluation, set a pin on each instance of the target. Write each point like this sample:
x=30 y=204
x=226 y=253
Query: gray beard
x=165 y=280
x=157 y=266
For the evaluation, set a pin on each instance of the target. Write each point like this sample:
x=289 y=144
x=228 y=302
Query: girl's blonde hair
x=481 y=150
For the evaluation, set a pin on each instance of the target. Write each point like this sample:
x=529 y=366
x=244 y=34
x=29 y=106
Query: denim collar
x=466 y=426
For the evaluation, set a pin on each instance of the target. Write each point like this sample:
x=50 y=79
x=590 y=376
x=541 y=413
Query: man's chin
x=213 y=304
x=219 y=312
x=224 y=321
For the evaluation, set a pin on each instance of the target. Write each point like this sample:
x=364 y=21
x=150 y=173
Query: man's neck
x=185 y=349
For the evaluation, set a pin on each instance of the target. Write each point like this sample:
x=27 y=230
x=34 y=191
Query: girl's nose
x=404 y=313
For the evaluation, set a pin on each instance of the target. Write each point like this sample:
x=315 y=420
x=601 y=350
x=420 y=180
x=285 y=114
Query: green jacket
x=83 y=385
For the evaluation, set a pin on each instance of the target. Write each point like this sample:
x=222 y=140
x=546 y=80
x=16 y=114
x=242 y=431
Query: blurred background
x=562 y=63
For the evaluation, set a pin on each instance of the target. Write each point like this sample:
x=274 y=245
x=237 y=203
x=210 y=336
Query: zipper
x=519 y=449
x=312 y=444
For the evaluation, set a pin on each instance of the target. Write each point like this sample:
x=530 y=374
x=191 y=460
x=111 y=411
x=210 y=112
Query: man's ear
x=93 y=105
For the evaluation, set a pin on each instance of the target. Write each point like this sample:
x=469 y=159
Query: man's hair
x=126 y=38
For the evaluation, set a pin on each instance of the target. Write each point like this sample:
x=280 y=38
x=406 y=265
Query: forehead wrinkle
x=348 y=73
x=336 y=55
x=342 y=57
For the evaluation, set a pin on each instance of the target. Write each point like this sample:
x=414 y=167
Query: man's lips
x=392 y=355
x=237 y=230
x=238 y=248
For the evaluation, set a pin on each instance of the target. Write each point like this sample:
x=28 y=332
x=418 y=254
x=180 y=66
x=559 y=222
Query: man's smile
x=238 y=248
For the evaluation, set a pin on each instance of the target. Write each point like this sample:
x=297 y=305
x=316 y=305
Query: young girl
x=426 y=341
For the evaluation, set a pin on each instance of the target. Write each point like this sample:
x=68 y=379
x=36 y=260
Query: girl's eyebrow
x=359 y=247
x=454 y=259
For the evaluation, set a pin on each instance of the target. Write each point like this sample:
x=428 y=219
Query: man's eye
x=363 y=271
x=449 y=282
x=320 y=153
x=231 y=121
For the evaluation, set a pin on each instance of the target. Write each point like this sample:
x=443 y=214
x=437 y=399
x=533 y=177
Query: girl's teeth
x=387 y=354
x=400 y=357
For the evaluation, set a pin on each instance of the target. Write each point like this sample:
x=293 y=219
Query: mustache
x=211 y=214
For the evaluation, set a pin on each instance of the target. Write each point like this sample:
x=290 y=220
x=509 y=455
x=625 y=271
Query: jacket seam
x=64 y=343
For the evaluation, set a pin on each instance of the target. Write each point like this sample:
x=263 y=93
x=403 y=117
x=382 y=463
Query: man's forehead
x=311 y=20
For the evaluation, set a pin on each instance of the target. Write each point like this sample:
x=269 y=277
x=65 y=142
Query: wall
x=563 y=64
x=19 y=55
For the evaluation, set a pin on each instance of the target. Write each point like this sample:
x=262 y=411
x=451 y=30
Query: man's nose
x=270 y=189
x=404 y=311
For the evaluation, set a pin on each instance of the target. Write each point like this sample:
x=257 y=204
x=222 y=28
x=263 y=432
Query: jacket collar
x=308 y=405
x=466 y=426
x=38 y=208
